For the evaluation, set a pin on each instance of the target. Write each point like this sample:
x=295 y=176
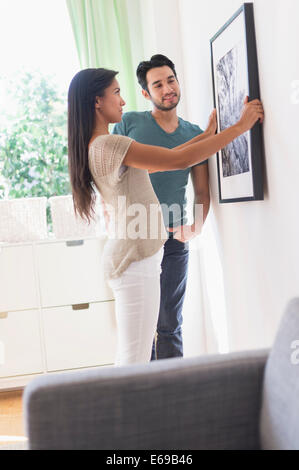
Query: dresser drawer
x=71 y=273
x=20 y=343
x=79 y=338
x=17 y=280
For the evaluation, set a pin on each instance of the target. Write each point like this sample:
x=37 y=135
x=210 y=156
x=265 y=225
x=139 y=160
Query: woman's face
x=110 y=105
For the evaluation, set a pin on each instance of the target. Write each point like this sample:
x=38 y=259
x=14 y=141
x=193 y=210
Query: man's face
x=163 y=88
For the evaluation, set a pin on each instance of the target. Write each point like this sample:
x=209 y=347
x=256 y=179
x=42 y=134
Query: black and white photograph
x=231 y=95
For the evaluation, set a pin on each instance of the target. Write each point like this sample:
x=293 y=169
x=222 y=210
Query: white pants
x=137 y=303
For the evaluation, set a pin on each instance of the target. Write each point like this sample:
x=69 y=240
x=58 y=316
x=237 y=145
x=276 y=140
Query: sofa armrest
x=207 y=402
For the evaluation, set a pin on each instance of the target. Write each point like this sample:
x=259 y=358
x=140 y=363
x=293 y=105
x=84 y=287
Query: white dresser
x=56 y=310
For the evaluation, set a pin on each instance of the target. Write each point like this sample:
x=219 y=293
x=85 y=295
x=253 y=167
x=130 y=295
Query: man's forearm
x=200 y=211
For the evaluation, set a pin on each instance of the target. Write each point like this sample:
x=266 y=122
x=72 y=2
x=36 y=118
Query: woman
x=118 y=167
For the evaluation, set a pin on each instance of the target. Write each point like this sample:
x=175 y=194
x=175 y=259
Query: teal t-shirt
x=169 y=186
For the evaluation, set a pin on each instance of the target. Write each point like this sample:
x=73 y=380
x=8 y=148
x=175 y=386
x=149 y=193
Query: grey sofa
x=247 y=400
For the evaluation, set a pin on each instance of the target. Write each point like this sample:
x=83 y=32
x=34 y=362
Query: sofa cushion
x=279 y=422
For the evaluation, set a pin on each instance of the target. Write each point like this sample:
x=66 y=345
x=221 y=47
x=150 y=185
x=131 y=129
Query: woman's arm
x=210 y=130
x=163 y=159
x=195 y=139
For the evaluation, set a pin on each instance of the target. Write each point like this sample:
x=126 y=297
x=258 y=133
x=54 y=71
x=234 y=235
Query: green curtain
x=106 y=38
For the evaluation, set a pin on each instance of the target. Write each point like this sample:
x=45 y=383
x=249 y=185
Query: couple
x=118 y=166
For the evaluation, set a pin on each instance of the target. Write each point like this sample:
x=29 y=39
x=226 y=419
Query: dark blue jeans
x=173 y=280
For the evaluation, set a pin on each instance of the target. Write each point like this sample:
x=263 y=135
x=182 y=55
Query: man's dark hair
x=157 y=60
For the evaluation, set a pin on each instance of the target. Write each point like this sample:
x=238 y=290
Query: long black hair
x=83 y=90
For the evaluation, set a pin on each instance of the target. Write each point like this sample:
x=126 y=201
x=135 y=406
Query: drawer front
x=79 y=338
x=17 y=279
x=20 y=343
x=71 y=273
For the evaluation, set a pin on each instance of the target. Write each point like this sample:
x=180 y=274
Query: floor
x=11 y=418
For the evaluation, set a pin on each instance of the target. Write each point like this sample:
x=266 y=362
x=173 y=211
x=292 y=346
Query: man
x=162 y=127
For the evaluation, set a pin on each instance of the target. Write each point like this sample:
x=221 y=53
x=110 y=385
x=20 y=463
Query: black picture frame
x=248 y=184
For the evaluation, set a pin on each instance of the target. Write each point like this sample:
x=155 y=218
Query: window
x=38 y=62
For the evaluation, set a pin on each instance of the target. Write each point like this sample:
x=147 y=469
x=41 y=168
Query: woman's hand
x=252 y=112
x=212 y=124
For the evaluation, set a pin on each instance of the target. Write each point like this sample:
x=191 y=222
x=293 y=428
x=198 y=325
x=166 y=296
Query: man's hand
x=212 y=124
x=185 y=233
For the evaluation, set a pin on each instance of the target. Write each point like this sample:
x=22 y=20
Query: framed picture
x=235 y=76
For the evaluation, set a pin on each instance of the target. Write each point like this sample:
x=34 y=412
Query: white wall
x=161 y=35
x=258 y=241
